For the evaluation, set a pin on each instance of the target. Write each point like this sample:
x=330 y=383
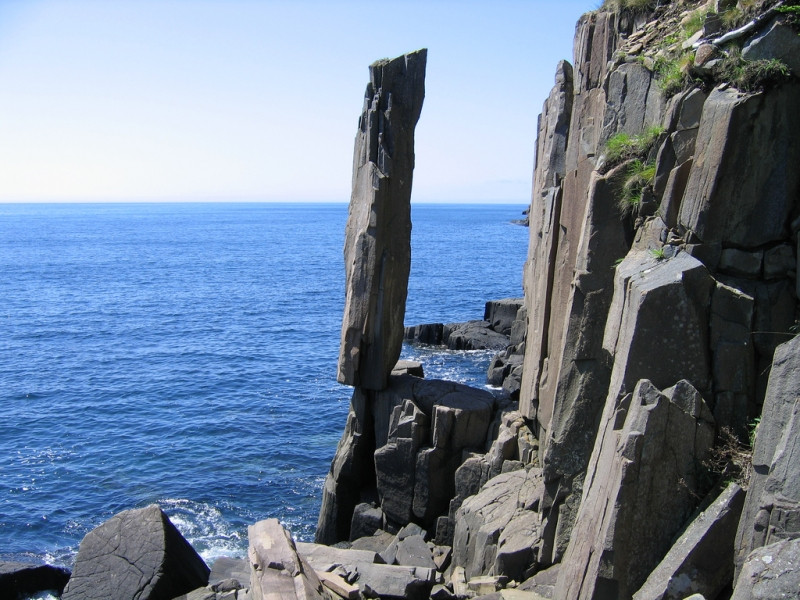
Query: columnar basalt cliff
x=662 y=257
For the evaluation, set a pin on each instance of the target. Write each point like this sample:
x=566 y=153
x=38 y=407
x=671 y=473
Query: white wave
x=205 y=527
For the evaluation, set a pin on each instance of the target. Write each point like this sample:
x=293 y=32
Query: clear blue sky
x=259 y=100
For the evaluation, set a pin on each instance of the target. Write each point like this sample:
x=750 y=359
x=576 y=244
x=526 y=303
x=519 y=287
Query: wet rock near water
x=136 y=554
x=22 y=580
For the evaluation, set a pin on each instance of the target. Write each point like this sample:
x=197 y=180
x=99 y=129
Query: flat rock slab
x=138 y=555
x=320 y=556
x=393 y=581
x=701 y=561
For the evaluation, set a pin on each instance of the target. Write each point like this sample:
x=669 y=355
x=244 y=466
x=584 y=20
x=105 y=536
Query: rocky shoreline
x=645 y=442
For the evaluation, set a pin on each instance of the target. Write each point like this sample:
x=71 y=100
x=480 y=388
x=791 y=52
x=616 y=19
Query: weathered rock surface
x=772 y=508
x=473 y=335
x=377 y=247
x=136 y=554
x=731 y=199
x=21 y=580
x=701 y=560
x=640 y=488
x=372 y=579
x=501 y=314
x=276 y=569
x=497 y=529
x=770 y=572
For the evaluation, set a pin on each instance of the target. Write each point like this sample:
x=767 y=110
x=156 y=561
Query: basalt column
x=377 y=255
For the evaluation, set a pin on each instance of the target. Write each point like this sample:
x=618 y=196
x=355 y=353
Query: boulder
x=733 y=357
x=771 y=571
x=136 y=554
x=276 y=569
x=657 y=324
x=377 y=542
x=322 y=557
x=395 y=582
x=634 y=101
x=412 y=551
x=772 y=508
x=21 y=580
x=701 y=560
x=497 y=529
x=473 y=335
x=377 y=249
x=428 y=333
x=367 y=519
x=501 y=314
x=640 y=488
x=408 y=367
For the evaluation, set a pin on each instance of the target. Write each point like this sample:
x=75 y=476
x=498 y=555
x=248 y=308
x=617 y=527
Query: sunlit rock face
x=377 y=249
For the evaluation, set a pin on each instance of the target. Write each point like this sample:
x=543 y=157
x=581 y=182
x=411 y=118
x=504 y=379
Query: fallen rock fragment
x=701 y=560
x=276 y=569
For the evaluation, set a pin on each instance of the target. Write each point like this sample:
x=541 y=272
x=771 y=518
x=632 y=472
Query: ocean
x=185 y=354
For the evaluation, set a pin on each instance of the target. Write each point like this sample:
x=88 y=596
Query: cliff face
x=662 y=252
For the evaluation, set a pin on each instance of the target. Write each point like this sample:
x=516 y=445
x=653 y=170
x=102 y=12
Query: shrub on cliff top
x=633 y=5
x=750 y=75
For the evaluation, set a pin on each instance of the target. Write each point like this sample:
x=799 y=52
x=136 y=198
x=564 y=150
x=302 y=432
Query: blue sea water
x=185 y=354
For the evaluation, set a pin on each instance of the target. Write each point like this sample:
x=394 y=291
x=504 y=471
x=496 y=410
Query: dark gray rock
x=377 y=246
x=428 y=333
x=772 y=508
x=640 y=488
x=701 y=560
x=408 y=367
x=770 y=572
x=412 y=551
x=377 y=542
x=501 y=314
x=367 y=519
x=741 y=263
x=394 y=469
x=733 y=357
x=351 y=469
x=136 y=554
x=779 y=262
x=473 y=335
x=658 y=323
x=20 y=580
x=731 y=198
x=395 y=582
x=497 y=529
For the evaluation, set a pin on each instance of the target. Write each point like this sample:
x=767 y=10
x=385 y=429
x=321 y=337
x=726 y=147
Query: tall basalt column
x=377 y=249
